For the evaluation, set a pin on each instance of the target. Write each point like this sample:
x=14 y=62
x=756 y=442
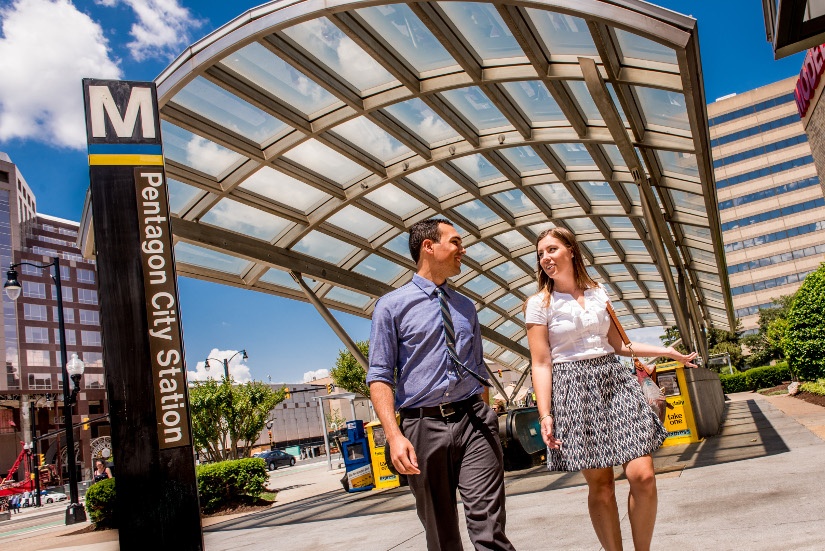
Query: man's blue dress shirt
x=408 y=350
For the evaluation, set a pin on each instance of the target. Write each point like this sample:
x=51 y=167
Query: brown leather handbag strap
x=618 y=325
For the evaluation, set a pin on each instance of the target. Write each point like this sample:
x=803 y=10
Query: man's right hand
x=403 y=456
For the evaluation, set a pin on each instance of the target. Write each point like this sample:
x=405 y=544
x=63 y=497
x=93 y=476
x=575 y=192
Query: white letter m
x=100 y=99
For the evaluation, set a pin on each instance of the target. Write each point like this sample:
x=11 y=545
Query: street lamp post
x=225 y=362
x=71 y=369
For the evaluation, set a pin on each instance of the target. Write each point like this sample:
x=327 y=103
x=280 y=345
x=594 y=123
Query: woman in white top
x=592 y=412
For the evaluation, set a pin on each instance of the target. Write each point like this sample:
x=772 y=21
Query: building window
x=65 y=273
x=68 y=314
x=35 y=312
x=87 y=296
x=39 y=358
x=31 y=270
x=85 y=276
x=71 y=337
x=68 y=294
x=89 y=317
x=93 y=359
x=90 y=338
x=70 y=233
x=40 y=381
x=94 y=380
x=33 y=289
x=37 y=335
x=4 y=177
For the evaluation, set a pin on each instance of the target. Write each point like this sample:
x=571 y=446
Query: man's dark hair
x=426 y=229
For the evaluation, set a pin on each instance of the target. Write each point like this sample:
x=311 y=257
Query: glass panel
x=481 y=252
x=284 y=189
x=394 y=200
x=650 y=319
x=646 y=268
x=592 y=272
x=523 y=158
x=581 y=225
x=478 y=213
x=477 y=168
x=572 y=155
x=324 y=247
x=507 y=357
x=699 y=254
x=180 y=194
x=279 y=277
x=513 y=240
x=183 y=147
x=366 y=135
x=663 y=107
x=480 y=285
x=537 y=229
x=639 y=304
x=228 y=110
x=337 y=51
x=378 y=267
x=680 y=163
x=241 y=218
x=508 y=328
x=689 y=201
x=598 y=191
x=655 y=285
x=487 y=316
x=422 y=121
x=599 y=247
x=476 y=108
x=563 y=34
x=632 y=191
x=515 y=202
x=615 y=270
x=325 y=161
x=508 y=271
x=271 y=73
x=348 y=297
x=402 y=29
x=535 y=100
x=696 y=231
x=489 y=347
x=435 y=182
x=616 y=102
x=635 y=46
x=400 y=244
x=508 y=302
x=198 y=256
x=529 y=290
x=618 y=223
x=556 y=195
x=633 y=245
x=483 y=28
x=585 y=101
x=613 y=155
x=357 y=221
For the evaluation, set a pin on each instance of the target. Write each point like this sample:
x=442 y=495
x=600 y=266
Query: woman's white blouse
x=575 y=333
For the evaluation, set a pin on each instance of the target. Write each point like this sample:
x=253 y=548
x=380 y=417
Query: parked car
x=276 y=458
x=53 y=497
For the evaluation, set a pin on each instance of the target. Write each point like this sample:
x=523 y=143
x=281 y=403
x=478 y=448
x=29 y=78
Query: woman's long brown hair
x=580 y=275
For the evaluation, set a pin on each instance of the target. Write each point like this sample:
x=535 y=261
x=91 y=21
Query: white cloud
x=47 y=47
x=161 y=30
x=310 y=376
x=208 y=156
x=238 y=371
x=647 y=335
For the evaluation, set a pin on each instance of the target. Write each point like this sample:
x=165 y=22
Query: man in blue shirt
x=425 y=345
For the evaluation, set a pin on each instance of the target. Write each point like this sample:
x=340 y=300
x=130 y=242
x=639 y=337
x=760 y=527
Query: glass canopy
x=306 y=137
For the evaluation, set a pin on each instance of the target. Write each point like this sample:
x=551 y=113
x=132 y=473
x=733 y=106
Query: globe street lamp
x=225 y=362
x=71 y=369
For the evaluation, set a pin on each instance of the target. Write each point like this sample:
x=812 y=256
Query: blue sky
x=40 y=104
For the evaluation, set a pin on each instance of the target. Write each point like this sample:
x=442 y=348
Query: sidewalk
x=756 y=486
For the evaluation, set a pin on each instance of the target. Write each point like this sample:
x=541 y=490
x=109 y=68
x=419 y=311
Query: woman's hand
x=547 y=433
x=687 y=360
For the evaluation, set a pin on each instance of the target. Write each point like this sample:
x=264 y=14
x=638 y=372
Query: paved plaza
x=758 y=485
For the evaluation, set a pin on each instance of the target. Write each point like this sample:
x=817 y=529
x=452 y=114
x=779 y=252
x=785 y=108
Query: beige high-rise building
x=770 y=198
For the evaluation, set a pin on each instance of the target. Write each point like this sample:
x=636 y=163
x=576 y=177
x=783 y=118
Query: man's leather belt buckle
x=447 y=409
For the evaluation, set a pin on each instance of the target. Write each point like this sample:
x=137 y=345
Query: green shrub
x=756 y=378
x=100 y=503
x=817 y=387
x=804 y=339
x=220 y=483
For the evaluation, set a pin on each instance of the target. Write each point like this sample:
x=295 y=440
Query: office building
x=771 y=203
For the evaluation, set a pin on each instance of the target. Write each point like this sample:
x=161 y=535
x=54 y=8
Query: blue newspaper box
x=356 y=453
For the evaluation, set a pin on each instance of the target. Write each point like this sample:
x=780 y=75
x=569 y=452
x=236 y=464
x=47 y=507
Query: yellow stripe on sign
x=137 y=160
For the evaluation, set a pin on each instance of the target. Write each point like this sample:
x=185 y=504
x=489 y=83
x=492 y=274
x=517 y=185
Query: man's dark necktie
x=449 y=336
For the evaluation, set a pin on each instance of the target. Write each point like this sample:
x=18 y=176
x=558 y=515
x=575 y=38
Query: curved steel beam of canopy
x=308 y=139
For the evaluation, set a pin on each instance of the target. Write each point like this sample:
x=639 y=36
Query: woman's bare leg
x=642 y=501
x=604 y=513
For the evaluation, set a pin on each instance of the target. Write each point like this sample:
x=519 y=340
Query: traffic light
x=269 y=432
x=85 y=423
x=288 y=395
x=41 y=459
x=330 y=388
x=500 y=374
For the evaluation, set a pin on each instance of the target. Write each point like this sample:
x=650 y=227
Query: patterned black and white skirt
x=600 y=415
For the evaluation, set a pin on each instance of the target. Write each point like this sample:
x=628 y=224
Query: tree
x=226 y=417
x=348 y=373
x=804 y=338
x=671 y=336
x=766 y=345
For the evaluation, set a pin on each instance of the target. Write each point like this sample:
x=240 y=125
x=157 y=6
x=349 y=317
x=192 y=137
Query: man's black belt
x=451 y=410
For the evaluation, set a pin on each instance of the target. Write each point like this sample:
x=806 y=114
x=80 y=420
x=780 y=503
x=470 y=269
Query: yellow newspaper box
x=679 y=420
x=384 y=478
